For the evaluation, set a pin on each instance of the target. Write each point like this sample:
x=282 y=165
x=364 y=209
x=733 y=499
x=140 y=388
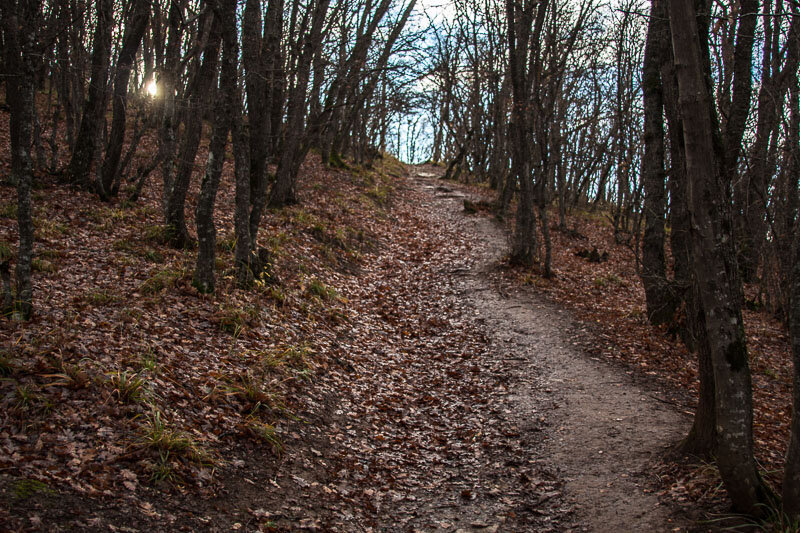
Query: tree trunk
x=523 y=32
x=292 y=150
x=241 y=215
x=109 y=181
x=714 y=266
x=702 y=438
x=230 y=97
x=86 y=143
x=21 y=54
x=660 y=304
x=791 y=474
x=169 y=74
x=271 y=57
x=201 y=87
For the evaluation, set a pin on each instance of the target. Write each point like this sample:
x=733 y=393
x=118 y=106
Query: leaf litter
x=376 y=400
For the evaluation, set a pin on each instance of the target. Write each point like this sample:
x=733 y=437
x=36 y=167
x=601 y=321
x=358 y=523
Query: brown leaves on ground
x=128 y=382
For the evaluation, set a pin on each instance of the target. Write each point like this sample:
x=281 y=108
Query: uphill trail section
x=468 y=406
x=447 y=399
x=603 y=434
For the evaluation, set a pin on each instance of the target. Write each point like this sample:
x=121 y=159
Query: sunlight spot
x=152 y=88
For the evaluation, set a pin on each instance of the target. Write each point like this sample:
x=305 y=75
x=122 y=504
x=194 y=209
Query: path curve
x=606 y=433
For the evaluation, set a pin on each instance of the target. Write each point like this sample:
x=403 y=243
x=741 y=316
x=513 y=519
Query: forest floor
x=395 y=375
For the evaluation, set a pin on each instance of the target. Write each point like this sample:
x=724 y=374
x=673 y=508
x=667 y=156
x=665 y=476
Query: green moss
x=25 y=488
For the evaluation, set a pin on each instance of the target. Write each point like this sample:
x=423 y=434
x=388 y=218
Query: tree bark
x=167 y=81
x=660 y=304
x=86 y=143
x=109 y=181
x=791 y=474
x=201 y=87
x=230 y=97
x=21 y=41
x=523 y=33
x=260 y=153
x=714 y=265
x=241 y=218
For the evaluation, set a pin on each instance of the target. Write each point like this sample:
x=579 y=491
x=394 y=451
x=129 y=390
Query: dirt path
x=448 y=402
x=466 y=407
x=604 y=432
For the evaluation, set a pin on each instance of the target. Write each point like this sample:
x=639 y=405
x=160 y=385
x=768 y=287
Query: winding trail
x=461 y=404
x=604 y=433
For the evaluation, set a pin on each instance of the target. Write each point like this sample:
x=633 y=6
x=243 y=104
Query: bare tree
x=20 y=38
x=108 y=184
x=93 y=110
x=714 y=265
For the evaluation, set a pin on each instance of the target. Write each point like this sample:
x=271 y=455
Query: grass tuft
x=101 y=297
x=42 y=265
x=8 y=210
x=6 y=253
x=128 y=387
x=160 y=281
x=7 y=366
x=158 y=234
x=233 y=319
x=317 y=288
x=157 y=434
x=268 y=433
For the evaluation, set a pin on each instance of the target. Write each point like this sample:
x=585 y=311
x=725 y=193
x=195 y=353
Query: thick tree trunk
x=109 y=181
x=790 y=259
x=20 y=56
x=86 y=143
x=714 y=266
x=702 y=438
x=254 y=60
x=524 y=31
x=260 y=138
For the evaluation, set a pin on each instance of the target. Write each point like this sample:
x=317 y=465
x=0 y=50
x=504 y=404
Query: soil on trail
x=604 y=433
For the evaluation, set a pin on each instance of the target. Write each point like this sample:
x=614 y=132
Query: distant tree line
x=272 y=78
